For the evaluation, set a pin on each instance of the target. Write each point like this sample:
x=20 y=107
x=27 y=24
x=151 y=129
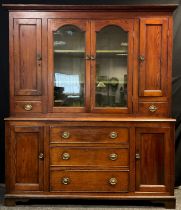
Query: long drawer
x=89 y=181
x=80 y=156
x=88 y=134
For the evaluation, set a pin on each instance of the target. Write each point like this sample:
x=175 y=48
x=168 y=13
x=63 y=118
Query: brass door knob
x=141 y=58
x=65 y=180
x=41 y=156
x=113 y=156
x=152 y=108
x=93 y=57
x=65 y=156
x=65 y=135
x=87 y=57
x=113 y=135
x=138 y=156
x=28 y=107
x=113 y=181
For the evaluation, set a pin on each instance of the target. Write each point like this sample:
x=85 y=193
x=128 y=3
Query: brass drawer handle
x=28 y=107
x=113 y=135
x=65 y=180
x=65 y=135
x=152 y=108
x=113 y=156
x=113 y=181
x=65 y=156
x=41 y=156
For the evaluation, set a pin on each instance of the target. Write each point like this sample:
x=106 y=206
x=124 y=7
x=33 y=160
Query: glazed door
x=111 y=66
x=69 y=65
x=153 y=158
x=27 y=165
x=27 y=57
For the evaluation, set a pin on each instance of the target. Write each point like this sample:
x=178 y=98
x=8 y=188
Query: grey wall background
x=176 y=90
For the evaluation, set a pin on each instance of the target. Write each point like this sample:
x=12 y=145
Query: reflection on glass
x=69 y=67
x=111 y=67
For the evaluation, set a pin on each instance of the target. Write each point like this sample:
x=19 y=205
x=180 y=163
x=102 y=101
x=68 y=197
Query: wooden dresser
x=90 y=103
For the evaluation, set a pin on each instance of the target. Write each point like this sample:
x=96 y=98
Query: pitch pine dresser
x=90 y=103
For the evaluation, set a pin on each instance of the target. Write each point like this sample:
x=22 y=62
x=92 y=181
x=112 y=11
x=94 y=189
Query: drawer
x=89 y=181
x=28 y=106
x=77 y=156
x=88 y=134
x=157 y=108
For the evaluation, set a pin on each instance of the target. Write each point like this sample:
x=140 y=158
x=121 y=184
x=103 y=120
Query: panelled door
x=153 y=57
x=27 y=158
x=27 y=57
x=153 y=157
x=90 y=65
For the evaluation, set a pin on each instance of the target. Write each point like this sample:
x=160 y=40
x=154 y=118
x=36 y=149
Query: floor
x=82 y=205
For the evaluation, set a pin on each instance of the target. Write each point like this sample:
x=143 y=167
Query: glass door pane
x=111 y=67
x=69 y=67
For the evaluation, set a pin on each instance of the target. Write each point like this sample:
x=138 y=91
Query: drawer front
x=77 y=156
x=88 y=134
x=28 y=106
x=153 y=108
x=90 y=181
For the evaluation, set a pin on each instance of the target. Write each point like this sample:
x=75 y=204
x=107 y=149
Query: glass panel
x=69 y=67
x=111 y=67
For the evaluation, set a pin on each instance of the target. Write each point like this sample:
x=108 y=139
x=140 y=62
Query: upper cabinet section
x=27 y=57
x=91 y=59
x=153 y=57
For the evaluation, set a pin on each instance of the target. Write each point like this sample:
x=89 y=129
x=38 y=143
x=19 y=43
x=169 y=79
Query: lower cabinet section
x=131 y=160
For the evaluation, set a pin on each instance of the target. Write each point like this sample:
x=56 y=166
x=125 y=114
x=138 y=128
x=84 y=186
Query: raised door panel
x=153 y=80
x=27 y=157
x=27 y=57
x=111 y=63
x=153 y=159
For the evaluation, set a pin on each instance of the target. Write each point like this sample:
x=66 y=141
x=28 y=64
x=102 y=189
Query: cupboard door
x=27 y=57
x=153 y=158
x=153 y=57
x=69 y=65
x=27 y=157
x=111 y=61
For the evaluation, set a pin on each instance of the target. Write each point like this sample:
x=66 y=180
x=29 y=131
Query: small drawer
x=156 y=108
x=88 y=134
x=77 y=156
x=89 y=181
x=28 y=106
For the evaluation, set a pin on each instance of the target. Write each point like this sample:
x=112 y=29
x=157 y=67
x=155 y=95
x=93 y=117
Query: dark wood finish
x=20 y=106
x=26 y=146
x=27 y=56
x=89 y=135
x=154 y=162
x=89 y=181
x=153 y=47
x=89 y=156
x=128 y=7
x=161 y=108
x=36 y=141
